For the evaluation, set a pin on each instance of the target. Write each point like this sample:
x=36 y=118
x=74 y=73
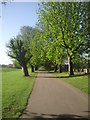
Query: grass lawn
x=15 y=91
x=78 y=80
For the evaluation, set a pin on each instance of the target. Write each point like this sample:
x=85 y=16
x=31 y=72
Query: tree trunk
x=60 y=68
x=55 y=68
x=82 y=70
x=70 y=66
x=78 y=70
x=32 y=67
x=36 y=67
x=25 y=70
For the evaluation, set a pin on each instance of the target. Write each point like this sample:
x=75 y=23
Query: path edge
x=28 y=98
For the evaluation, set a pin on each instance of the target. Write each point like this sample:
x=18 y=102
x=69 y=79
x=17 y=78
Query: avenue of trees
x=62 y=36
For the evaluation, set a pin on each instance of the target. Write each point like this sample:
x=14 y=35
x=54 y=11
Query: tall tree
x=49 y=26
x=67 y=24
x=28 y=34
x=18 y=51
x=36 y=48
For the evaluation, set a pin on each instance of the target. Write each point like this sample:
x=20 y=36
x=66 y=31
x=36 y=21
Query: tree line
x=61 y=36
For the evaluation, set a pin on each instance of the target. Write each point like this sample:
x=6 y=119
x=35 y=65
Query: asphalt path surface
x=53 y=98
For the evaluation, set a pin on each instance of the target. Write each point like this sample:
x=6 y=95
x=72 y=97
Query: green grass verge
x=15 y=92
x=78 y=80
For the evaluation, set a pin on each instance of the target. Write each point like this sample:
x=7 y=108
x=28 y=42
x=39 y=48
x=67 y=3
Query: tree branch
x=29 y=58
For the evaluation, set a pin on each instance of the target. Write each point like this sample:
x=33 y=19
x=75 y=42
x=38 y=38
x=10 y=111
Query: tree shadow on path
x=58 y=76
x=42 y=71
x=35 y=116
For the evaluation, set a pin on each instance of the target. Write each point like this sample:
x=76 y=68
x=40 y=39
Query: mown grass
x=9 y=69
x=15 y=91
x=78 y=80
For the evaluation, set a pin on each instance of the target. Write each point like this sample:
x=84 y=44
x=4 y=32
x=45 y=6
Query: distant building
x=10 y=65
x=6 y=66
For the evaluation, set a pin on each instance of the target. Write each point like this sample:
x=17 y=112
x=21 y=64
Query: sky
x=14 y=16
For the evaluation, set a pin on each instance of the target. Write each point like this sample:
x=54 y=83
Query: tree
x=36 y=49
x=54 y=50
x=67 y=25
x=18 y=51
x=16 y=64
x=74 y=30
x=32 y=36
x=28 y=33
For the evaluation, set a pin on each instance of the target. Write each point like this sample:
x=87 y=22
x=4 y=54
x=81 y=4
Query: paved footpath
x=53 y=98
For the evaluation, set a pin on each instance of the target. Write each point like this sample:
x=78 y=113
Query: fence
x=87 y=70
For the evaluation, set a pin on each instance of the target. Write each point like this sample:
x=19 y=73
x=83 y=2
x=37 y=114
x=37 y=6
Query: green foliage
x=62 y=33
x=18 y=50
x=16 y=64
x=36 y=48
x=65 y=29
x=31 y=38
